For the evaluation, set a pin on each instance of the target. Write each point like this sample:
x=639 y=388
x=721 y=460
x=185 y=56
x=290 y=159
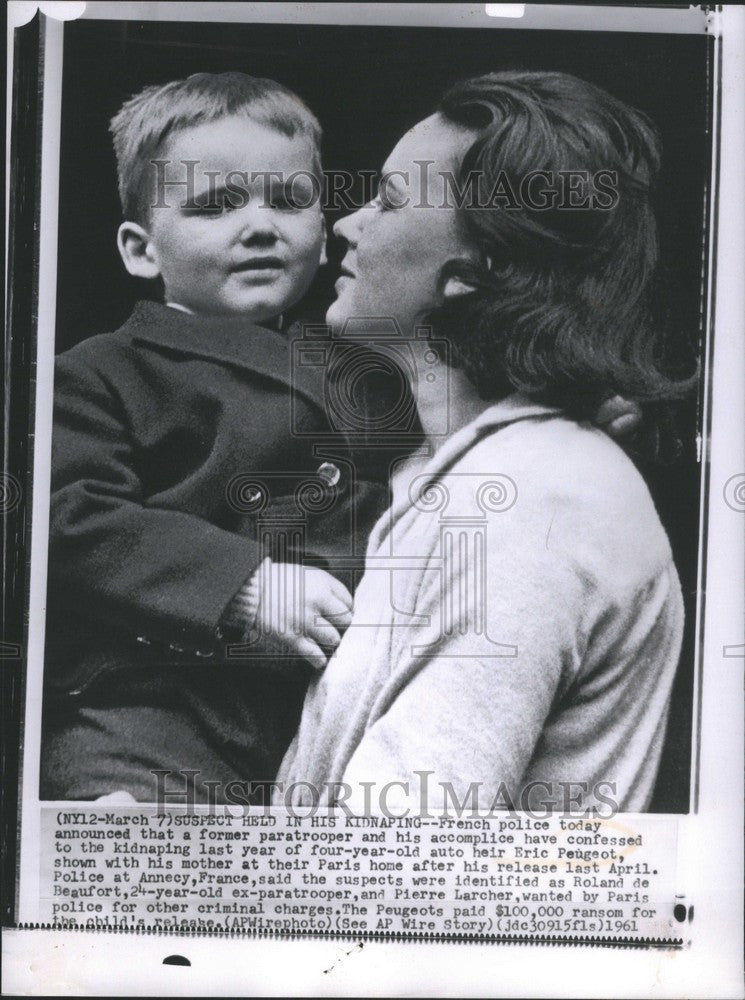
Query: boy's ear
x=137 y=251
x=324 y=256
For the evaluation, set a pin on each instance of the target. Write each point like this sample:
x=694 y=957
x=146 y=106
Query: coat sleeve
x=162 y=573
x=477 y=684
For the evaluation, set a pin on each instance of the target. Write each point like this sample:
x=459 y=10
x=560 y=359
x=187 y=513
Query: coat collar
x=227 y=339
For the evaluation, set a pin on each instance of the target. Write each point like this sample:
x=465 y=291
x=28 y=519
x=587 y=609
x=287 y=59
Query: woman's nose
x=350 y=227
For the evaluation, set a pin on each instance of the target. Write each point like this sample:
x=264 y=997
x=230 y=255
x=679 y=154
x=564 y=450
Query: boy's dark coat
x=175 y=438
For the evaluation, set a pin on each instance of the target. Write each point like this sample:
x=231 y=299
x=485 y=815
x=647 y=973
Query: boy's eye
x=214 y=205
x=291 y=197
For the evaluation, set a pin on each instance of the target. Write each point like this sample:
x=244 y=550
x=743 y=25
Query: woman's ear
x=458 y=277
x=455 y=287
x=136 y=250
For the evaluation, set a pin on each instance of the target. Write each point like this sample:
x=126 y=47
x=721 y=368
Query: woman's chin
x=338 y=313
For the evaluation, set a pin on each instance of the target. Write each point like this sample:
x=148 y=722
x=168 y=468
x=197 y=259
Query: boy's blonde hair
x=145 y=121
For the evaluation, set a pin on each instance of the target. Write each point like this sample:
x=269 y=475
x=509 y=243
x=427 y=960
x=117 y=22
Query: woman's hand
x=619 y=417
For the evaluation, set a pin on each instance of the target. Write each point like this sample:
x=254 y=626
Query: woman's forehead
x=434 y=139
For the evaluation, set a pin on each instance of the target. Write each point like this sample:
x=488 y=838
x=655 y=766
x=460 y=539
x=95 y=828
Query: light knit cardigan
x=519 y=620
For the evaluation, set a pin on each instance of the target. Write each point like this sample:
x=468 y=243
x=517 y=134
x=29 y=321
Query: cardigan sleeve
x=166 y=574
x=473 y=689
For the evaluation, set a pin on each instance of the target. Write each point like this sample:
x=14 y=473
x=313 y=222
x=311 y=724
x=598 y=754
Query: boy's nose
x=257 y=224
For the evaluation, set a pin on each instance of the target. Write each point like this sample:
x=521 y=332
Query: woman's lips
x=347 y=274
x=342 y=280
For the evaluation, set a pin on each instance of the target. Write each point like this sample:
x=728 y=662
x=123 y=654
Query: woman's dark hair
x=564 y=282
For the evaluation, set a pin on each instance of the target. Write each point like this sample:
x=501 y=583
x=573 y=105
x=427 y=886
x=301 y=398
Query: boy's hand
x=303 y=607
x=619 y=417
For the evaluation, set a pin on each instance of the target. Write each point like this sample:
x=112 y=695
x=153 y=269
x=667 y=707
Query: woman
x=519 y=622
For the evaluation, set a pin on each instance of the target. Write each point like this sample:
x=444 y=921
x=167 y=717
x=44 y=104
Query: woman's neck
x=446 y=404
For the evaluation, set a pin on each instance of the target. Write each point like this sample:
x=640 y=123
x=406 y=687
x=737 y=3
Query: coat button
x=329 y=473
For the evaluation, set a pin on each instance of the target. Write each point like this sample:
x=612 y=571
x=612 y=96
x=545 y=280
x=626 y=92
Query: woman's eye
x=388 y=198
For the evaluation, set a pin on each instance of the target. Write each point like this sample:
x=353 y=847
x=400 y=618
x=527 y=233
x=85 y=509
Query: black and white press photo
x=555 y=211
x=383 y=486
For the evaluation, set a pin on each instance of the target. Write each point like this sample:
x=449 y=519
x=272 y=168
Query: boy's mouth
x=259 y=264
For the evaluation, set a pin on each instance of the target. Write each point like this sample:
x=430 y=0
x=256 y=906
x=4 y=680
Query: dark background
x=367 y=86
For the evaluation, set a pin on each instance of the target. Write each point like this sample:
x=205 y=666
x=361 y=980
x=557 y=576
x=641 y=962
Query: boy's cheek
x=308 y=253
x=307 y=226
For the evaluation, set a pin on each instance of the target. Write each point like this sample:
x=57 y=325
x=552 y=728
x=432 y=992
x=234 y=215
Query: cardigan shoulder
x=557 y=489
x=586 y=499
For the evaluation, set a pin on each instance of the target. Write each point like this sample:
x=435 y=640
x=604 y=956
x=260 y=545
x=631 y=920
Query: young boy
x=177 y=439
